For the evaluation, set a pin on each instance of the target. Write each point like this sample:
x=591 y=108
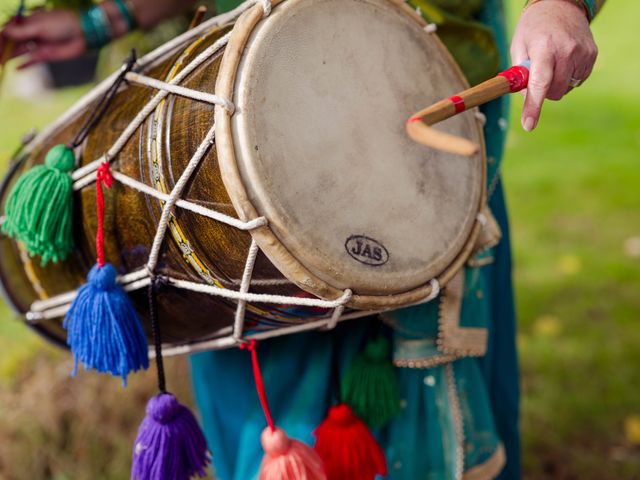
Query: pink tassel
x=288 y=459
x=284 y=458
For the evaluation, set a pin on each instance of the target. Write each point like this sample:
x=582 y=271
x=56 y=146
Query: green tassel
x=370 y=385
x=39 y=209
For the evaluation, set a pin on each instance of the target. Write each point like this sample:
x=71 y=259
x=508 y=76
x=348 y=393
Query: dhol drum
x=262 y=168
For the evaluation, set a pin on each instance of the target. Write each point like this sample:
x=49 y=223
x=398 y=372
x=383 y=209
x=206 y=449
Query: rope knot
x=249 y=346
x=103 y=174
x=266 y=7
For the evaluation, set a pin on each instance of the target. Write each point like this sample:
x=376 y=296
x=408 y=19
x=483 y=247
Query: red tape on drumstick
x=458 y=103
x=518 y=77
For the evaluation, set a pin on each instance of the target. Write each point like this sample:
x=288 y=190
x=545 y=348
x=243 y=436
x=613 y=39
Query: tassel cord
x=152 y=294
x=251 y=347
x=101 y=108
x=103 y=178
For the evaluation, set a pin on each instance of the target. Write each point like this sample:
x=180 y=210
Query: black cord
x=21 y=9
x=101 y=108
x=152 y=294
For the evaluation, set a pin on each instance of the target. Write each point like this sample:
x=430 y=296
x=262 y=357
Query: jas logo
x=366 y=250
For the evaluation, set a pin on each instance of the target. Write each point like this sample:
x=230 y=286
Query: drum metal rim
x=264 y=236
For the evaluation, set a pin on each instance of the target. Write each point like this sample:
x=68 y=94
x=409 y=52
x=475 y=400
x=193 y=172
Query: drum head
x=317 y=145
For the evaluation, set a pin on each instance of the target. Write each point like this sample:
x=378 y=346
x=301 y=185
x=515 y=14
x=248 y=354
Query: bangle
x=580 y=3
x=127 y=14
x=95 y=27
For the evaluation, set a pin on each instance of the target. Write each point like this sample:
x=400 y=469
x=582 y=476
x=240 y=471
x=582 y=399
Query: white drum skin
x=317 y=145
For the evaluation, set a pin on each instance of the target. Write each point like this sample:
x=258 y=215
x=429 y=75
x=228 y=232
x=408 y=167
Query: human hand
x=44 y=36
x=555 y=36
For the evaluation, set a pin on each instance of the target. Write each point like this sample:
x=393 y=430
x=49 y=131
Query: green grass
x=573 y=189
x=574 y=192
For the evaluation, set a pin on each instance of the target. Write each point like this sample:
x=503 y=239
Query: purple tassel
x=170 y=443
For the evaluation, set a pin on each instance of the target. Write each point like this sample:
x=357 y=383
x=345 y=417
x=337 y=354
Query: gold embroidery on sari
x=453 y=339
x=491 y=468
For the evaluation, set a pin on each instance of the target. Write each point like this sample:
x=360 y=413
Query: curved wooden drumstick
x=419 y=125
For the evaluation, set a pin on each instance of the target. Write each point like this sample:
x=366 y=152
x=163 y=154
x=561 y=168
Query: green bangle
x=95 y=27
x=126 y=13
x=87 y=30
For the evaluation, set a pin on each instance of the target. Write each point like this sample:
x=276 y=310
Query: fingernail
x=528 y=124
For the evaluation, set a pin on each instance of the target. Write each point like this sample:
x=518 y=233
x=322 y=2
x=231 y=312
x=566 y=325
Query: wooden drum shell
x=196 y=248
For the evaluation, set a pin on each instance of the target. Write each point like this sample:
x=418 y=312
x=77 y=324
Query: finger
x=518 y=53
x=540 y=78
x=56 y=52
x=563 y=72
x=23 y=48
x=30 y=28
x=584 y=67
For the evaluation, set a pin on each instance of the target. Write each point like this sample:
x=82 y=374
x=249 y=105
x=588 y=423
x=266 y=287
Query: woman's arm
x=53 y=35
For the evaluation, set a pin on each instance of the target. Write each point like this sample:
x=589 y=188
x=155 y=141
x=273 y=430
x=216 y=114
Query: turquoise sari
x=460 y=408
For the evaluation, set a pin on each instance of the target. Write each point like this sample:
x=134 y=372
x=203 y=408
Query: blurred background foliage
x=574 y=193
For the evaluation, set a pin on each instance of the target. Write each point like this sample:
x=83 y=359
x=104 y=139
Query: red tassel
x=347 y=447
x=288 y=459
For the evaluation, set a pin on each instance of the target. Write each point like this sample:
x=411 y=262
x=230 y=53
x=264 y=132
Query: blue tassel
x=104 y=331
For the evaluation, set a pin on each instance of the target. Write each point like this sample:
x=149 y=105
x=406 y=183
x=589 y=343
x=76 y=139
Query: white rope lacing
x=44 y=309
x=228 y=341
x=58 y=305
x=266 y=7
x=481 y=117
x=205 y=97
x=238 y=328
x=84 y=176
x=175 y=194
x=431 y=28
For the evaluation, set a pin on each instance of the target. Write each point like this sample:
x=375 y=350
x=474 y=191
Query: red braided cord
x=251 y=346
x=103 y=177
